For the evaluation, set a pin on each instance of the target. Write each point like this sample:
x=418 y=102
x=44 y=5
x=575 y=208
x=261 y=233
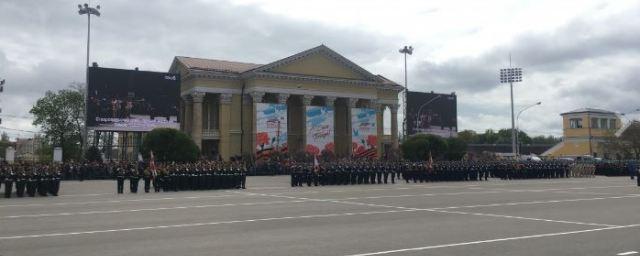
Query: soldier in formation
x=204 y=175
x=376 y=172
x=30 y=179
x=343 y=173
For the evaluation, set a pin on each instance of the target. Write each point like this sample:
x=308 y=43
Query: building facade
x=584 y=133
x=309 y=102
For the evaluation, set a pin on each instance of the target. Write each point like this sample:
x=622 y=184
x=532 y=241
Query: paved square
x=581 y=216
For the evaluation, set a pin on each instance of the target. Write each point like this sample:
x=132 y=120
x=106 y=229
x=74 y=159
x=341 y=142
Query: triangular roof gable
x=324 y=51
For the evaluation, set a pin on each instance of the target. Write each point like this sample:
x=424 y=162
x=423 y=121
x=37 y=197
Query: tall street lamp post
x=511 y=75
x=405 y=50
x=518 y=123
x=82 y=10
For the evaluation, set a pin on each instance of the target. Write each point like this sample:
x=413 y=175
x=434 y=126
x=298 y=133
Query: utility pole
x=405 y=50
x=82 y=10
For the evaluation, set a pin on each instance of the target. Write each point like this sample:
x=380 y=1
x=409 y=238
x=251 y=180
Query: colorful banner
x=364 y=134
x=320 y=129
x=271 y=128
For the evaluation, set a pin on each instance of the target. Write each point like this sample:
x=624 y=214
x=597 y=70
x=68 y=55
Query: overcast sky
x=574 y=53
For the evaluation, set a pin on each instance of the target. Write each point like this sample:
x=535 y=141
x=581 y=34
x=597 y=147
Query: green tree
x=456 y=148
x=417 y=147
x=169 y=145
x=60 y=116
x=468 y=136
x=93 y=154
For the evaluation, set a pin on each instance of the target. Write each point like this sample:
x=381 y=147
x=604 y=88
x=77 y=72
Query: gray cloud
x=579 y=41
x=46 y=49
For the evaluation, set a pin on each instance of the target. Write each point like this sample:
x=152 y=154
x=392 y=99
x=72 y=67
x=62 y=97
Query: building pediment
x=320 y=61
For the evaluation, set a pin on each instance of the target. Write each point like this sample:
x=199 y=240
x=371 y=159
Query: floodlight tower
x=405 y=50
x=88 y=10
x=511 y=75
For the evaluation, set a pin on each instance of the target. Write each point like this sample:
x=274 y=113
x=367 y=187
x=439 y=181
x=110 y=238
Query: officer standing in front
x=120 y=175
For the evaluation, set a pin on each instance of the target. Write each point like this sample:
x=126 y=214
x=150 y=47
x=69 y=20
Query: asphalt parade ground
x=578 y=216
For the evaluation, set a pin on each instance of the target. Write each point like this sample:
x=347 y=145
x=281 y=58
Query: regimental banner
x=320 y=130
x=271 y=128
x=364 y=133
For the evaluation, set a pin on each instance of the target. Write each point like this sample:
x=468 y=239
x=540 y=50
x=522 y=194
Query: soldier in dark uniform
x=21 y=181
x=243 y=176
x=146 y=177
x=32 y=183
x=120 y=176
x=8 y=183
x=134 y=178
x=42 y=182
x=54 y=184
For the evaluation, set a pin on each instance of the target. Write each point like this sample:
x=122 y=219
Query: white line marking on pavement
x=201 y=224
x=537 y=202
x=115 y=201
x=523 y=218
x=146 y=209
x=442 y=211
x=627 y=253
x=494 y=240
x=77 y=195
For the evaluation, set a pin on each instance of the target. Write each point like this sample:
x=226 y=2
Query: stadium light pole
x=518 y=123
x=511 y=75
x=405 y=50
x=88 y=10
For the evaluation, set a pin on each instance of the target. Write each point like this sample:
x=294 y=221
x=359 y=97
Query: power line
x=19 y=130
x=16 y=116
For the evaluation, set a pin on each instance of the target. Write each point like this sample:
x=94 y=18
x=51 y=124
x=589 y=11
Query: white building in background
x=27 y=149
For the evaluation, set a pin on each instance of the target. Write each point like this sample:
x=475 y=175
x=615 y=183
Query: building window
x=575 y=123
x=612 y=123
x=603 y=123
x=594 y=123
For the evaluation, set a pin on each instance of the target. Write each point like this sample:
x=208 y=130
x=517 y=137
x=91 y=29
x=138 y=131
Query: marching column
x=223 y=125
x=196 y=125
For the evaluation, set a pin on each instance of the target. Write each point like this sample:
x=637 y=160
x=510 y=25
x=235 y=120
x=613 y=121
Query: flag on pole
x=152 y=165
x=316 y=165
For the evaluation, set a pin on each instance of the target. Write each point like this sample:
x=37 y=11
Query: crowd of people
x=378 y=172
x=203 y=175
x=29 y=179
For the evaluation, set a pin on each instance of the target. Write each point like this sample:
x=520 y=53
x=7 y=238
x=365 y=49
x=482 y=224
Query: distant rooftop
x=589 y=110
x=217 y=65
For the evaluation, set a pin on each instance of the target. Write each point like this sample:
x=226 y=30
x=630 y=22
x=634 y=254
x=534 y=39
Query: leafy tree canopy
x=60 y=116
x=170 y=145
